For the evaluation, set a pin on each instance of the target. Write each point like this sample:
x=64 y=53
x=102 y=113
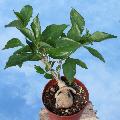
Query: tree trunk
x=88 y=113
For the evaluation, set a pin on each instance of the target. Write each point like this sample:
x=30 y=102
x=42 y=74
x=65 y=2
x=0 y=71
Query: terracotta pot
x=53 y=116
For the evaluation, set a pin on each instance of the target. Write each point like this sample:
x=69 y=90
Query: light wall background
x=21 y=89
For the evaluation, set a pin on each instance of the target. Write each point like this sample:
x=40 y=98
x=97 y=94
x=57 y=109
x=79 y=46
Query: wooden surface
x=88 y=113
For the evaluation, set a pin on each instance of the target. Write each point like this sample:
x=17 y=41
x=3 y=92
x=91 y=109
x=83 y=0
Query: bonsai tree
x=53 y=47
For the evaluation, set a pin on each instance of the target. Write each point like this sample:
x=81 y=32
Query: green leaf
x=23 y=17
x=20 y=65
x=48 y=76
x=85 y=39
x=80 y=63
x=35 y=25
x=67 y=42
x=95 y=53
x=31 y=45
x=15 y=23
x=63 y=35
x=52 y=33
x=77 y=19
x=64 y=48
x=19 y=16
x=59 y=53
x=39 y=70
x=100 y=36
x=27 y=33
x=35 y=57
x=44 y=45
x=74 y=33
x=24 y=49
x=26 y=14
x=15 y=42
x=18 y=59
x=69 y=69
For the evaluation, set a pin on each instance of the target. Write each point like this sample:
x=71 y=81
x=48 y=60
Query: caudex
x=53 y=47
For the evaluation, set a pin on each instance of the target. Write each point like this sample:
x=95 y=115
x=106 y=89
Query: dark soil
x=80 y=100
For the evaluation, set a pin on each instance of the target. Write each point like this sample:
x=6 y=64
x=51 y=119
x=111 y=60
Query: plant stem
x=63 y=88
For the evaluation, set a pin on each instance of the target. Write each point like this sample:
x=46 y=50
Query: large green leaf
x=100 y=36
x=52 y=33
x=31 y=45
x=63 y=35
x=64 y=48
x=26 y=14
x=24 y=49
x=95 y=53
x=14 y=42
x=85 y=39
x=35 y=25
x=15 y=23
x=35 y=57
x=67 y=42
x=39 y=69
x=59 y=53
x=77 y=19
x=27 y=33
x=23 y=17
x=18 y=59
x=80 y=63
x=19 y=16
x=44 y=45
x=74 y=33
x=69 y=69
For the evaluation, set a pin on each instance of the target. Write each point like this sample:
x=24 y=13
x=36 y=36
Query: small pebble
x=66 y=110
x=52 y=89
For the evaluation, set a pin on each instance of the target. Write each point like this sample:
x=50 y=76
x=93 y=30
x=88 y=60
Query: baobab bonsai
x=63 y=95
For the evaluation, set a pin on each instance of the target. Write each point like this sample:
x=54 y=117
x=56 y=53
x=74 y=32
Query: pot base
x=87 y=114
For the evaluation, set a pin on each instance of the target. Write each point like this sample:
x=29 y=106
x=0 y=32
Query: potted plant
x=64 y=96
